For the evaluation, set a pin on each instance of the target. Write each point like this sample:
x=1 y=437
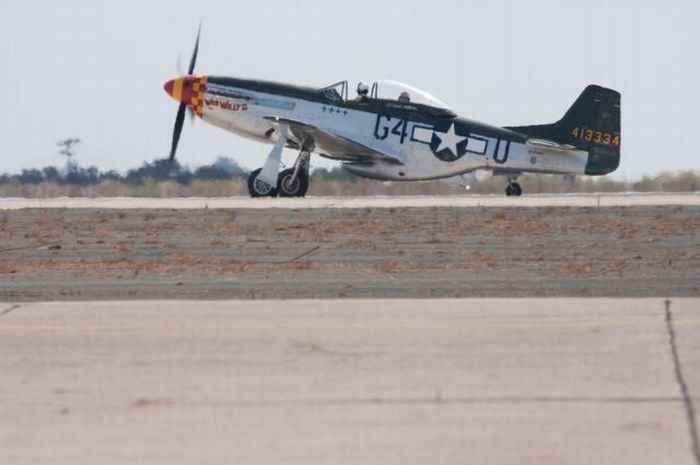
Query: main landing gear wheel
x=289 y=186
x=257 y=188
x=514 y=190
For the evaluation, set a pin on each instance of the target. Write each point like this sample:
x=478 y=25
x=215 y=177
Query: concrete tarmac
x=539 y=200
x=497 y=381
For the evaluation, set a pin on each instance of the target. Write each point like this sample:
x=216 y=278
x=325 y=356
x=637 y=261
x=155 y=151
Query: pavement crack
x=9 y=309
x=43 y=245
x=313 y=249
x=680 y=379
x=439 y=399
x=311 y=347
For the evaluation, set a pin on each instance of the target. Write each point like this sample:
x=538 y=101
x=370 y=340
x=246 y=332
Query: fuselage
x=420 y=142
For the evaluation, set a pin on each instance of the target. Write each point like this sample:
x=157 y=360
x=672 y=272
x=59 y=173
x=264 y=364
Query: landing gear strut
x=292 y=182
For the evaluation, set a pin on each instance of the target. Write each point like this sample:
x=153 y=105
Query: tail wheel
x=257 y=188
x=288 y=186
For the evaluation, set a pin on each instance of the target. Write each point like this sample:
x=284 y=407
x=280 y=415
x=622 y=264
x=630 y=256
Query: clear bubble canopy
x=387 y=89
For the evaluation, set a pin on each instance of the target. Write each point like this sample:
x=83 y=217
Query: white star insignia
x=449 y=140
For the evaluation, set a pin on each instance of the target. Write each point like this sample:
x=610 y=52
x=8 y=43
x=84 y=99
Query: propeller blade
x=192 y=114
x=178 y=66
x=193 y=60
x=177 y=130
x=180 y=118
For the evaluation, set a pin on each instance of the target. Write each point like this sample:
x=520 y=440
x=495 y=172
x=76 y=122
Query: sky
x=95 y=69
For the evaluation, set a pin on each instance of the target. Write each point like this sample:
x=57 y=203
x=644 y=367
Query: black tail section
x=592 y=124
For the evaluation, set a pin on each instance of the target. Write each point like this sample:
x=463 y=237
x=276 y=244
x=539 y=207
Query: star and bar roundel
x=449 y=141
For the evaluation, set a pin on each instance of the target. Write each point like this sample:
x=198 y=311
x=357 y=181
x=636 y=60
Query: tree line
x=156 y=171
x=226 y=177
x=335 y=181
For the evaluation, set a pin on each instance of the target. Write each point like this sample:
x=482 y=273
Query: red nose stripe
x=169 y=87
x=187 y=92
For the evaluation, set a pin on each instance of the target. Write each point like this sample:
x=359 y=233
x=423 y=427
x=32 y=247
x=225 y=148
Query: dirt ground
x=92 y=254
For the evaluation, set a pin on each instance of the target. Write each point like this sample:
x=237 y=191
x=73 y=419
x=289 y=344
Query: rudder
x=592 y=124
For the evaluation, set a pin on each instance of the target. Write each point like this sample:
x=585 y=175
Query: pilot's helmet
x=404 y=97
x=362 y=88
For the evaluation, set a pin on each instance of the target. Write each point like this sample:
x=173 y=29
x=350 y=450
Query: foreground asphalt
x=499 y=381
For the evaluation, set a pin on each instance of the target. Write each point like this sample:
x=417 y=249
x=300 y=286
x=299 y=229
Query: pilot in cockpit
x=405 y=97
x=362 y=92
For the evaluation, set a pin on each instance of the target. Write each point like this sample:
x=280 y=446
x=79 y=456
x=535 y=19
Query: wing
x=332 y=145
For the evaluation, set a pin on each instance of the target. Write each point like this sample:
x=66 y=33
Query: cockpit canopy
x=392 y=90
x=337 y=92
x=388 y=90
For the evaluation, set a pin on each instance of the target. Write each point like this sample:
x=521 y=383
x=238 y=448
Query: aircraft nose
x=169 y=86
x=179 y=88
x=185 y=88
x=189 y=90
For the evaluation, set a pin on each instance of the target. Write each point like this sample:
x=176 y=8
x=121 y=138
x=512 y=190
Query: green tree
x=68 y=151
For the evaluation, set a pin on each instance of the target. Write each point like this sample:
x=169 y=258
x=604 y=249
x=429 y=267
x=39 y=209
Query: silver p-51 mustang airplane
x=392 y=131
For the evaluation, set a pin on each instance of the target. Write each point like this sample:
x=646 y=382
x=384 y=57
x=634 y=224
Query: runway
x=500 y=381
x=349 y=331
x=541 y=200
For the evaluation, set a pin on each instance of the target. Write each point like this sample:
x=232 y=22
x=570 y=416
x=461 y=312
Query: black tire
x=514 y=190
x=258 y=188
x=296 y=188
x=517 y=190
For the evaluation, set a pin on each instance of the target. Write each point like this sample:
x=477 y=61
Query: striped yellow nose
x=189 y=90
x=174 y=88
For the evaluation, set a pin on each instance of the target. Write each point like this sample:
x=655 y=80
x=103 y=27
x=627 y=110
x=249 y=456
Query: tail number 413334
x=597 y=137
